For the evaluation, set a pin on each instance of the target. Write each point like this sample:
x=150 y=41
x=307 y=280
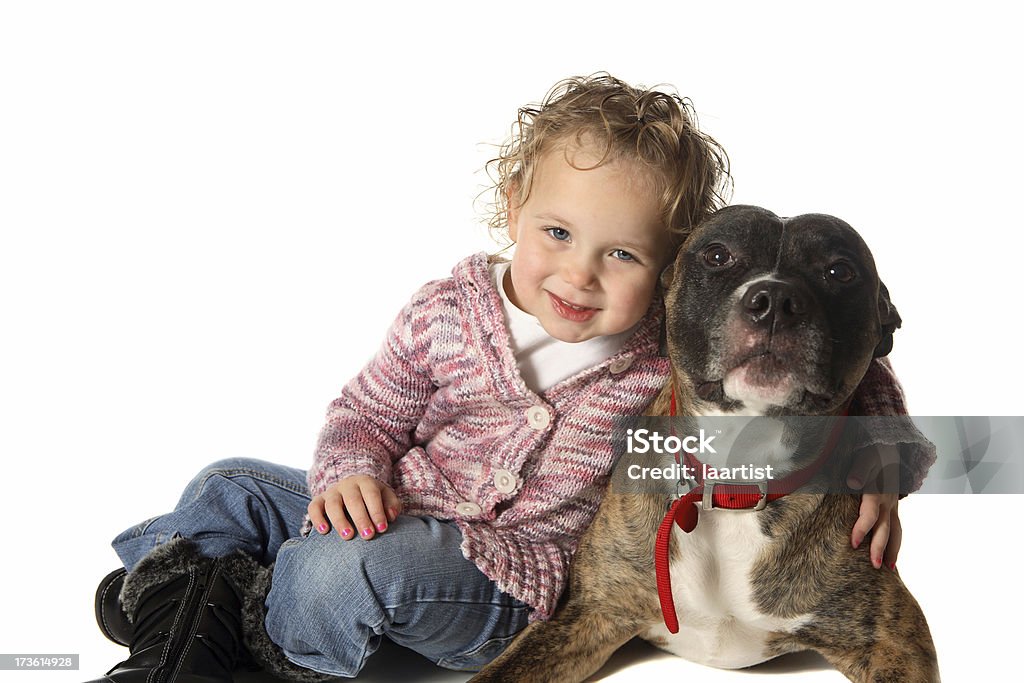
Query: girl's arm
x=371 y=424
x=893 y=446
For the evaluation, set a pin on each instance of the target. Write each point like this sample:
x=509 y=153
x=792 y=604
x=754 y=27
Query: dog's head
x=775 y=315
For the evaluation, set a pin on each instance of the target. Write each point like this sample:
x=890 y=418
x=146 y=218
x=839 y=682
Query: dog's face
x=775 y=314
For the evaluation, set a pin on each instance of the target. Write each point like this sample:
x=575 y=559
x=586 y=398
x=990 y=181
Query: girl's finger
x=392 y=504
x=879 y=541
x=315 y=510
x=374 y=503
x=869 y=505
x=356 y=507
x=336 y=512
x=892 y=550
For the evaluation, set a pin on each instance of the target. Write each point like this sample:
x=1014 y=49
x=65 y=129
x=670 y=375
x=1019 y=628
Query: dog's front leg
x=873 y=635
x=605 y=604
x=900 y=649
x=572 y=645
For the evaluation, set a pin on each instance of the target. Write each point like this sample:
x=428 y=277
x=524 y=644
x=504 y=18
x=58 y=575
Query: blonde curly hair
x=655 y=130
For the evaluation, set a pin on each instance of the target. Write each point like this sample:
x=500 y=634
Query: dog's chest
x=719 y=622
x=713 y=577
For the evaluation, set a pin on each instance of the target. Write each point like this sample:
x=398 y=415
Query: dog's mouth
x=763 y=378
x=766 y=383
x=763 y=374
x=803 y=401
x=754 y=355
x=764 y=366
x=766 y=357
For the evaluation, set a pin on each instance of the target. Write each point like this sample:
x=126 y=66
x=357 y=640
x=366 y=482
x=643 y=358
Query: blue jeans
x=332 y=600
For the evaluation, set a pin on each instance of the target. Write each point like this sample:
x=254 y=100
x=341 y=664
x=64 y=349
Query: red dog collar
x=683 y=510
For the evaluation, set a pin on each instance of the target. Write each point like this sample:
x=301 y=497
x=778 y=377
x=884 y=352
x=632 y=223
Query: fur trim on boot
x=257 y=580
x=162 y=564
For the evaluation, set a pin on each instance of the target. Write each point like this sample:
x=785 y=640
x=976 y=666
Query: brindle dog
x=772 y=316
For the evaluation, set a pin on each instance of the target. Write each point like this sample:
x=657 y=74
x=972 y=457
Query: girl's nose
x=580 y=273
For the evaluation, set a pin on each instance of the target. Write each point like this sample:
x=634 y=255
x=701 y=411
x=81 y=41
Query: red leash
x=722 y=495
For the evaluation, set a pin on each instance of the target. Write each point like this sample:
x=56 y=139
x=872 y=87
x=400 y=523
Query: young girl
x=474 y=448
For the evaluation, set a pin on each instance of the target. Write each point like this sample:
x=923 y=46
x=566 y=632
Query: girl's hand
x=874 y=469
x=369 y=504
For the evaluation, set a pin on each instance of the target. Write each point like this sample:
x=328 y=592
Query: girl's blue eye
x=623 y=255
x=560 y=234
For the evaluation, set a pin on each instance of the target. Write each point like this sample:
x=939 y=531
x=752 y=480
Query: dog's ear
x=667 y=273
x=665 y=280
x=888 y=318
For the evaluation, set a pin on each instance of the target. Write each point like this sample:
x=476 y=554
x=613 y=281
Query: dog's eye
x=840 y=271
x=717 y=256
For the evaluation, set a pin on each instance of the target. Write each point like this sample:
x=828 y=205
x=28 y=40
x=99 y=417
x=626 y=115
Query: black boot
x=181 y=615
x=191 y=619
x=111 y=619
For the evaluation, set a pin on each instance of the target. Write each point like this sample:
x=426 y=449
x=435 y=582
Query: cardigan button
x=468 y=509
x=504 y=481
x=538 y=417
x=620 y=365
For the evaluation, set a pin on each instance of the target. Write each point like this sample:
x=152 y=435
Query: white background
x=210 y=212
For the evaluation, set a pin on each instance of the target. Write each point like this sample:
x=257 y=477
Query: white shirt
x=543 y=360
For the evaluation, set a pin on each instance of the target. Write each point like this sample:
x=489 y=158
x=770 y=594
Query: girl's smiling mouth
x=571 y=311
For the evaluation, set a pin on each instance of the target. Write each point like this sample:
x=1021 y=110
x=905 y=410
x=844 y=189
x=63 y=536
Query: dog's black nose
x=774 y=301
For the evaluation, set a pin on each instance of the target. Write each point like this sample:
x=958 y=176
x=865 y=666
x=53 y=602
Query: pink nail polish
x=382 y=527
x=345 y=533
x=367 y=532
x=893 y=566
x=322 y=528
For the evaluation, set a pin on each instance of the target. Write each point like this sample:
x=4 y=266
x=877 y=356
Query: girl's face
x=589 y=247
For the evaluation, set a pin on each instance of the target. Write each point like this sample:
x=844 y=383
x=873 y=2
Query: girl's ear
x=513 y=211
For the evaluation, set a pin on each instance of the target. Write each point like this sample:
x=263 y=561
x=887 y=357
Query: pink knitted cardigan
x=442 y=414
